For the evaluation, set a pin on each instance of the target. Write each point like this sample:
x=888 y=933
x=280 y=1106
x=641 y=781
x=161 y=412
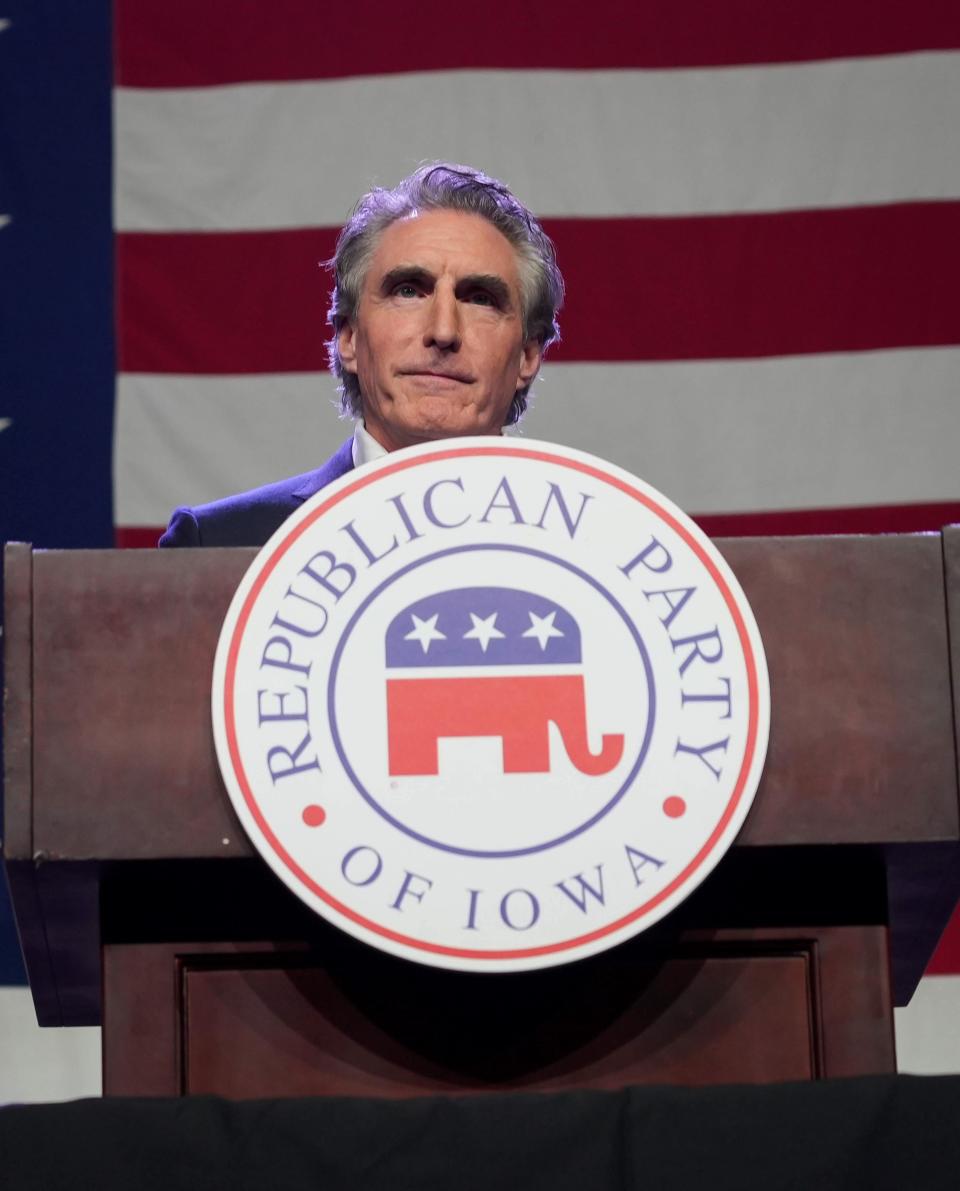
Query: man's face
x=437 y=344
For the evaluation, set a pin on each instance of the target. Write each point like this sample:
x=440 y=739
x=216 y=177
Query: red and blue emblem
x=488 y=662
x=490 y=705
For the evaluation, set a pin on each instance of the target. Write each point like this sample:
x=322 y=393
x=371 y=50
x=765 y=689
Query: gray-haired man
x=445 y=300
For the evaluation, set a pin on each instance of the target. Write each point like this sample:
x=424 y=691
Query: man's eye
x=482 y=297
x=405 y=289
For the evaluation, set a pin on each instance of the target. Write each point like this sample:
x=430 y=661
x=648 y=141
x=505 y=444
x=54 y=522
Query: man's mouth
x=448 y=374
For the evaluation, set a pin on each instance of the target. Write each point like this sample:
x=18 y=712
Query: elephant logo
x=492 y=662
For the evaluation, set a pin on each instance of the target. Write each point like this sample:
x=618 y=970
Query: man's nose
x=443 y=322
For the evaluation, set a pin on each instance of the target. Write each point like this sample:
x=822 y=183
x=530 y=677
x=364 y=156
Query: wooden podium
x=141 y=904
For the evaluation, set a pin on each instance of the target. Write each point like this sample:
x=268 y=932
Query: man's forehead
x=445 y=241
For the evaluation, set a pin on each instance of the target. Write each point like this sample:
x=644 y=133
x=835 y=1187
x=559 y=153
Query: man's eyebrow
x=406 y=273
x=490 y=282
x=411 y=274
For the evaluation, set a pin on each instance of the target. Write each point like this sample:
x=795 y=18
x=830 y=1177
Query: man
x=445 y=300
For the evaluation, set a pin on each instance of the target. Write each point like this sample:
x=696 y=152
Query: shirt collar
x=365 y=447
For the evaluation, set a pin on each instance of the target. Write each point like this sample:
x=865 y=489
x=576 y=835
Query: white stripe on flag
x=928 y=1029
x=570 y=143
x=716 y=436
x=190 y=439
x=859 y=428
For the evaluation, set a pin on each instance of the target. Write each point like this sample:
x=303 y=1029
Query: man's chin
x=448 y=429
x=445 y=421
x=430 y=420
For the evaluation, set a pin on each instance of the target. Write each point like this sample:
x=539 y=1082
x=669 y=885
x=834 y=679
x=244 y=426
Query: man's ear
x=347 y=347
x=531 y=356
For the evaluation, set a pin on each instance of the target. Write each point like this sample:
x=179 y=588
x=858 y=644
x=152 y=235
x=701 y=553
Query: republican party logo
x=490 y=704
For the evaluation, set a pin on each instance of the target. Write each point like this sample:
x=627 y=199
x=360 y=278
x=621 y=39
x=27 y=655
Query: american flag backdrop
x=756 y=207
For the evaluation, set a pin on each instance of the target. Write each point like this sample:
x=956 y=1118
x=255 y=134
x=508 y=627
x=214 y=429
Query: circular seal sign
x=490 y=704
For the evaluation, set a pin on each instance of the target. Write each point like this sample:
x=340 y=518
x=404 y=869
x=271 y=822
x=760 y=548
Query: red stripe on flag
x=699 y=287
x=946 y=958
x=224 y=302
x=912 y=518
x=137 y=537
x=176 y=43
x=916 y=518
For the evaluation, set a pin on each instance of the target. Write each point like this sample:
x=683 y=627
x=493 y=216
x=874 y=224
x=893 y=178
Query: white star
x=484 y=630
x=425 y=631
x=543 y=628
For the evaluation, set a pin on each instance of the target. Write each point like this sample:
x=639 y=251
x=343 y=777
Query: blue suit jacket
x=250 y=518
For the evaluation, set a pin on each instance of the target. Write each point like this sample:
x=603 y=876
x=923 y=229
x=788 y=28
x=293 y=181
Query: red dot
x=674 y=807
x=313 y=816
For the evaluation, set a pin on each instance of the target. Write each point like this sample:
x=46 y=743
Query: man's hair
x=441 y=186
